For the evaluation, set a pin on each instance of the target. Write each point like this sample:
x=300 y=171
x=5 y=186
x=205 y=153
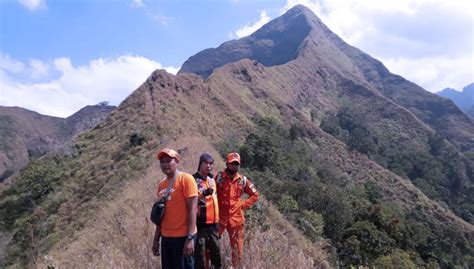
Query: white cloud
x=77 y=86
x=34 y=70
x=250 y=28
x=434 y=73
x=10 y=65
x=138 y=3
x=407 y=33
x=153 y=11
x=161 y=19
x=350 y=18
x=171 y=69
x=38 y=69
x=33 y=5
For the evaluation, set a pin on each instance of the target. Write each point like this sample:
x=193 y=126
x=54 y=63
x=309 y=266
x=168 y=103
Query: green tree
x=287 y=204
x=371 y=243
x=395 y=260
x=311 y=223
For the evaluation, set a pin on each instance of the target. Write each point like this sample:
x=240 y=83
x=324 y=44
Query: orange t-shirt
x=174 y=223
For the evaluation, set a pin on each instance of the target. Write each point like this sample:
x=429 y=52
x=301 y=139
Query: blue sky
x=168 y=31
x=58 y=56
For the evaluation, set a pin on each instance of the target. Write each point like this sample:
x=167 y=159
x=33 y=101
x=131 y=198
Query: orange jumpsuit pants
x=236 y=236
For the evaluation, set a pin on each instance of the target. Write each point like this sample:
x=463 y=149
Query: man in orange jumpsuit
x=231 y=185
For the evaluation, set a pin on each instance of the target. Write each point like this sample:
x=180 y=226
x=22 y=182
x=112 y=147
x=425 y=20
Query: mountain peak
x=448 y=91
x=298 y=18
x=276 y=43
x=469 y=89
x=300 y=9
x=463 y=99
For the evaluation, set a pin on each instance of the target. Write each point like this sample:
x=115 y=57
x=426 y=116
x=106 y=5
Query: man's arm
x=253 y=195
x=191 y=204
x=156 y=241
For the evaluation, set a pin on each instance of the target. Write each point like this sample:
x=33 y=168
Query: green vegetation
x=21 y=209
x=433 y=166
x=38 y=180
x=323 y=202
x=55 y=196
x=7 y=132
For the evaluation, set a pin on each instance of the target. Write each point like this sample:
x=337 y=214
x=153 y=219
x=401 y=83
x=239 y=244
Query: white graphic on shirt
x=162 y=193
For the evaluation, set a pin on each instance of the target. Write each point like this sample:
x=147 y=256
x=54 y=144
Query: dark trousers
x=172 y=254
x=207 y=239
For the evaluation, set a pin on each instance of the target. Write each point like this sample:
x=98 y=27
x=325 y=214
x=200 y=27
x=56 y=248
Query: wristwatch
x=190 y=237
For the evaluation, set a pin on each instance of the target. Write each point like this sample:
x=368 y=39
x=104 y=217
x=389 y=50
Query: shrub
x=396 y=259
x=136 y=139
x=287 y=204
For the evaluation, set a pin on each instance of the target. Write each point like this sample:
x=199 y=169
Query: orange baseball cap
x=169 y=152
x=233 y=157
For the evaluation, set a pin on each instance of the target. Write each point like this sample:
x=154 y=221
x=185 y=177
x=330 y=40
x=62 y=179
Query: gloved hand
x=208 y=192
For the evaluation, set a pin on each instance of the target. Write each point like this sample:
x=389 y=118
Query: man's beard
x=232 y=172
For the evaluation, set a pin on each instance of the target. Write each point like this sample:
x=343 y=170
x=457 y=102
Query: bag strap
x=211 y=182
x=167 y=192
x=219 y=177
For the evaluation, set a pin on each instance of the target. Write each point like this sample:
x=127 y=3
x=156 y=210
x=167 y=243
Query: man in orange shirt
x=178 y=226
x=230 y=187
x=207 y=241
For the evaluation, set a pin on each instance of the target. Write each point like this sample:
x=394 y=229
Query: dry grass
x=121 y=235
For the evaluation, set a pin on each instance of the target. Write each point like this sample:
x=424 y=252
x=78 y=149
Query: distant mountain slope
x=470 y=111
x=328 y=135
x=463 y=99
x=27 y=135
x=87 y=117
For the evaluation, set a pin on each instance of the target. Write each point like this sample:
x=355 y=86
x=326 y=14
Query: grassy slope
x=120 y=235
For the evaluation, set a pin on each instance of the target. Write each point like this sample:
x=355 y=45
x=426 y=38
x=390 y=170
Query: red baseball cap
x=233 y=157
x=169 y=152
